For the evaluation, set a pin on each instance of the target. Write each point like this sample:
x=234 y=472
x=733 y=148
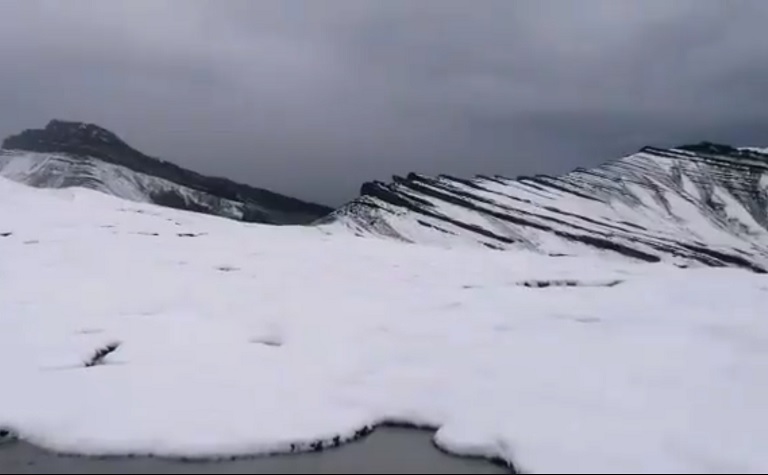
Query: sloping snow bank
x=242 y=338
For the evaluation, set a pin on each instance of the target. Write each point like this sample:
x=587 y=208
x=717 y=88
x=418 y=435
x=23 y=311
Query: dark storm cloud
x=311 y=98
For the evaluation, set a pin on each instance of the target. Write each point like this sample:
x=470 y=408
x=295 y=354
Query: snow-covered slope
x=48 y=170
x=761 y=150
x=240 y=338
x=704 y=203
x=66 y=154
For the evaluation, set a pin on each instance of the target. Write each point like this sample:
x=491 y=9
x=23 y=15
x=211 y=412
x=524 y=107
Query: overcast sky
x=311 y=98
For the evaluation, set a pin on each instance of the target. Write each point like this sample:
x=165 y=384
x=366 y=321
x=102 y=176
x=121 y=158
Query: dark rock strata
x=703 y=203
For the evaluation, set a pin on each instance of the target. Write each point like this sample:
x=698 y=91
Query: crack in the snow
x=540 y=284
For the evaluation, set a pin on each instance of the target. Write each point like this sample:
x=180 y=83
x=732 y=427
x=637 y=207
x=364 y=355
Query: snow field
x=243 y=339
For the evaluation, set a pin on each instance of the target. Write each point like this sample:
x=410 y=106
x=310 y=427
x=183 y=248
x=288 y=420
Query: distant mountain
x=704 y=203
x=66 y=154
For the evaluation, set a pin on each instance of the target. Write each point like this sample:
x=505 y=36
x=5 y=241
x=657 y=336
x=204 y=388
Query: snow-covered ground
x=237 y=338
x=763 y=150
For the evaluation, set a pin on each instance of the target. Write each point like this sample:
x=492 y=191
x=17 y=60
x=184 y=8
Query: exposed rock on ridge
x=697 y=204
x=67 y=154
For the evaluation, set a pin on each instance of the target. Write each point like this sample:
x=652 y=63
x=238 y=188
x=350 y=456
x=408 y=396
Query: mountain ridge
x=696 y=204
x=72 y=150
x=701 y=203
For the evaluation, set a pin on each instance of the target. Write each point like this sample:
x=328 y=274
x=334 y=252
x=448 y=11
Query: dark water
x=386 y=450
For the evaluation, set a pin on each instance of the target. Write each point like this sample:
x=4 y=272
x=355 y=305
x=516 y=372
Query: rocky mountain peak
x=68 y=153
x=68 y=137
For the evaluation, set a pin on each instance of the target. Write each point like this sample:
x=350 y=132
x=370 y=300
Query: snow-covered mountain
x=73 y=154
x=703 y=203
x=696 y=204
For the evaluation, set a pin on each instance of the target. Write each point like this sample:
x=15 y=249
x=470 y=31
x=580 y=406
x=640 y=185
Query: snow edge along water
x=9 y=435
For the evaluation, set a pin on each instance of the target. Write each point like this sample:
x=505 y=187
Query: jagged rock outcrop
x=697 y=204
x=65 y=154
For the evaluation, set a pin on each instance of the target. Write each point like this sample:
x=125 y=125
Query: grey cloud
x=312 y=98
